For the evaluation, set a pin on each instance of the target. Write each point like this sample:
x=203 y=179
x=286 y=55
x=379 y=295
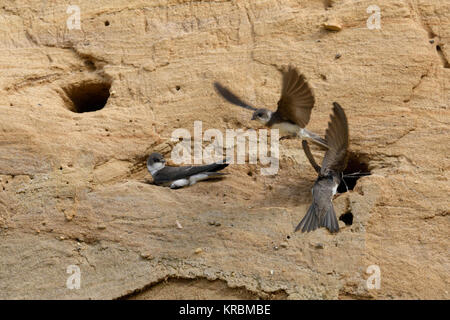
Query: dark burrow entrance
x=347 y=218
x=357 y=167
x=88 y=96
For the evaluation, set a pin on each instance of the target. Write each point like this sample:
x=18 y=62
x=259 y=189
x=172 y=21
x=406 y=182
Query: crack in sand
x=240 y=292
x=408 y=131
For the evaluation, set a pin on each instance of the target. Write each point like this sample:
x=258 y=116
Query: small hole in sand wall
x=347 y=218
x=88 y=96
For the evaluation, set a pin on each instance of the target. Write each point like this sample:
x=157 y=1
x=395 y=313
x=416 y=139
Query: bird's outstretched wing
x=231 y=97
x=297 y=98
x=168 y=174
x=310 y=156
x=337 y=138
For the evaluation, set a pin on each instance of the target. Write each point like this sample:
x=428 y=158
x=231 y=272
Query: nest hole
x=88 y=96
x=90 y=65
x=357 y=167
x=347 y=218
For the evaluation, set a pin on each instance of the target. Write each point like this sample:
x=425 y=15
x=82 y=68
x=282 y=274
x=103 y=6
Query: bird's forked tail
x=311 y=222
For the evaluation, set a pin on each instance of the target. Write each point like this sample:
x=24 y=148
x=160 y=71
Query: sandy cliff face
x=74 y=189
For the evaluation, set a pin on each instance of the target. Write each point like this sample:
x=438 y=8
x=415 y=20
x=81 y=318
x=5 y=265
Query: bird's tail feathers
x=314 y=138
x=310 y=221
x=212 y=175
x=330 y=221
x=217 y=173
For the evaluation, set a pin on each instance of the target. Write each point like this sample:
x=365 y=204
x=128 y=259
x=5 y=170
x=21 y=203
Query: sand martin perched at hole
x=294 y=107
x=178 y=177
x=321 y=212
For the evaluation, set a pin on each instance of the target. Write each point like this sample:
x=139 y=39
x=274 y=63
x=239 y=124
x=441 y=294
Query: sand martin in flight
x=294 y=107
x=321 y=212
x=178 y=177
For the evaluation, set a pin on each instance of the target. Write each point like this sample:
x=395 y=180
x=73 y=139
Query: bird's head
x=155 y=162
x=262 y=115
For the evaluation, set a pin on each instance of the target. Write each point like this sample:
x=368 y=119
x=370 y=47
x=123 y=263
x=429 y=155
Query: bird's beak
x=253 y=117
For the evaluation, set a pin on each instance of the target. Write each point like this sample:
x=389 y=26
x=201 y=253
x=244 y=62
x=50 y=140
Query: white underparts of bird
x=178 y=177
x=294 y=107
x=321 y=211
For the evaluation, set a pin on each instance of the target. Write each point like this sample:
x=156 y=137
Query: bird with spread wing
x=293 y=111
x=321 y=212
